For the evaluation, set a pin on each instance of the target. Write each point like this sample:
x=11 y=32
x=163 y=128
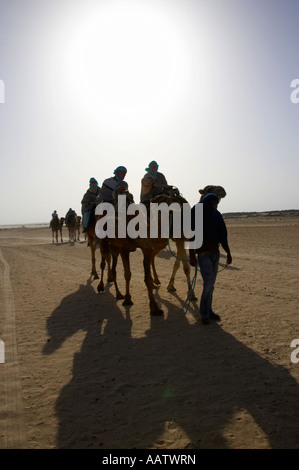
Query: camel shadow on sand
x=130 y=392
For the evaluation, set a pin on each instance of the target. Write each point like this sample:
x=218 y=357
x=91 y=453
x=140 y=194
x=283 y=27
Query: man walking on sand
x=207 y=256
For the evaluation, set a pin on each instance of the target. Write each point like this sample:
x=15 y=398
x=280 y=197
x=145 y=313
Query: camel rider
x=153 y=182
x=114 y=185
x=89 y=202
x=54 y=214
x=70 y=215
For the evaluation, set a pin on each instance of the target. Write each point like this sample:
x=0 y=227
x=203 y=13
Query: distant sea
x=41 y=225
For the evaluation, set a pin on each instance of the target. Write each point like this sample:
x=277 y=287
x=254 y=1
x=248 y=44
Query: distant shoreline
x=12 y=226
x=282 y=213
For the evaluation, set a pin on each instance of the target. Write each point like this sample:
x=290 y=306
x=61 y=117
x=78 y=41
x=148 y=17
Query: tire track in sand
x=12 y=434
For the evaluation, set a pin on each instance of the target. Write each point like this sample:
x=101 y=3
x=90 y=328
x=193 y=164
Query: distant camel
x=78 y=226
x=73 y=225
x=149 y=247
x=56 y=226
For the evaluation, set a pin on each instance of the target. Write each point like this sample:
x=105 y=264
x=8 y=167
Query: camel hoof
x=171 y=289
x=127 y=303
x=110 y=280
x=192 y=296
x=157 y=312
x=119 y=296
x=100 y=288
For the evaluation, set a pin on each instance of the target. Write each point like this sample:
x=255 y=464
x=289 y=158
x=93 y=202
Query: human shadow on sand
x=132 y=392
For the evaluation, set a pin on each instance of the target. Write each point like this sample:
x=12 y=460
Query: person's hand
x=192 y=260
x=229 y=258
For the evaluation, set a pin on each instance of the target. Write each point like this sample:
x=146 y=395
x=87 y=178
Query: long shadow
x=128 y=392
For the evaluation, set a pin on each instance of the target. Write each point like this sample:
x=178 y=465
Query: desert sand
x=82 y=371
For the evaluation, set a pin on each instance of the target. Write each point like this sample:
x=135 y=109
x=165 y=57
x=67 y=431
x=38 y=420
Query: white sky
x=201 y=86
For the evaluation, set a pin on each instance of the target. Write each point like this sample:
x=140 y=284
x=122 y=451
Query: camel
x=150 y=248
x=56 y=226
x=78 y=226
x=180 y=255
x=218 y=190
x=73 y=225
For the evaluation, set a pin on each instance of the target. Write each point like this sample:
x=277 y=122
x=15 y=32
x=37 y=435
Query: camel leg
x=175 y=268
x=156 y=279
x=125 y=255
x=56 y=236
x=182 y=255
x=147 y=257
x=101 y=287
x=186 y=267
x=93 y=258
x=115 y=254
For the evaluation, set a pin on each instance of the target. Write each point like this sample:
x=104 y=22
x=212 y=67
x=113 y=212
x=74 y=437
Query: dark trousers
x=208 y=263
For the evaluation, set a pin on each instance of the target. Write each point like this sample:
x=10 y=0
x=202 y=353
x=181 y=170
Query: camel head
x=218 y=190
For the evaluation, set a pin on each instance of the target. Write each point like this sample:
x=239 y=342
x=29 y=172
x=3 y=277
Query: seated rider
x=114 y=185
x=153 y=183
x=54 y=215
x=89 y=202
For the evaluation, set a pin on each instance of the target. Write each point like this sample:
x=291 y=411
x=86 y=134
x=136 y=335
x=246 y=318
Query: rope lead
x=186 y=304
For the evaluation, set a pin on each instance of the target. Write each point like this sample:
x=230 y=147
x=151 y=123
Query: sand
x=83 y=371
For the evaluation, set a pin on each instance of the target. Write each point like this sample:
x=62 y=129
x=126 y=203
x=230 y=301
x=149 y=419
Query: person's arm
x=162 y=183
x=226 y=248
x=224 y=242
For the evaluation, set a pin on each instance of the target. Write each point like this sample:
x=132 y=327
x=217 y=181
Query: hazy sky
x=201 y=86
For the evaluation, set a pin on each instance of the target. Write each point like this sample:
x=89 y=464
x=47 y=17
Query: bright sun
x=126 y=64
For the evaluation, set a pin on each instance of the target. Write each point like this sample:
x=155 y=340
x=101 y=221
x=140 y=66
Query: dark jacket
x=89 y=200
x=214 y=228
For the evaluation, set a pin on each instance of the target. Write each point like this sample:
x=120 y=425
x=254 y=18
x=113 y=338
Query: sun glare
x=126 y=64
